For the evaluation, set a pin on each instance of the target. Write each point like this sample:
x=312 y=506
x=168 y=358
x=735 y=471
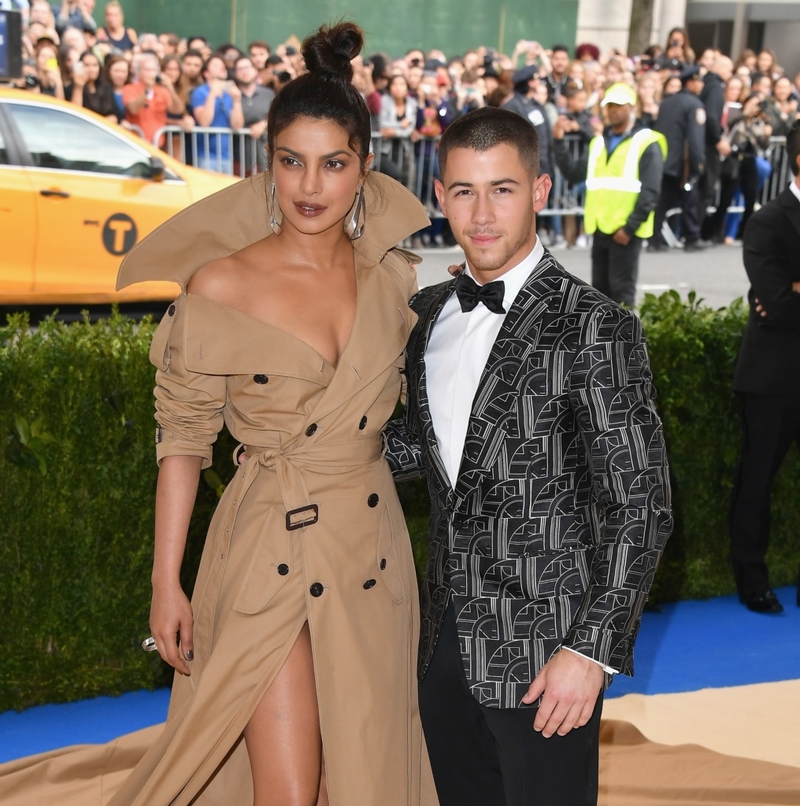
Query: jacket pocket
x=388 y=561
x=269 y=568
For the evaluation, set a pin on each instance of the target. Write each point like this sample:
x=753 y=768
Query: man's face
x=414 y=78
x=491 y=202
x=245 y=73
x=192 y=65
x=216 y=70
x=259 y=56
x=695 y=85
x=560 y=61
x=148 y=70
x=618 y=114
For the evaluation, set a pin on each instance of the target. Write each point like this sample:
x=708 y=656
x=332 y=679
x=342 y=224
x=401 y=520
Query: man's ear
x=541 y=190
x=438 y=188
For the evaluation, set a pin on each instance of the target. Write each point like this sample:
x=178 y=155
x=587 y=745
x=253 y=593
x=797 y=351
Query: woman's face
x=398 y=89
x=118 y=73
x=752 y=104
x=783 y=89
x=733 y=89
x=672 y=86
x=743 y=73
x=764 y=86
x=647 y=89
x=40 y=12
x=316 y=175
x=113 y=17
x=173 y=70
x=42 y=57
x=91 y=66
x=764 y=62
x=577 y=72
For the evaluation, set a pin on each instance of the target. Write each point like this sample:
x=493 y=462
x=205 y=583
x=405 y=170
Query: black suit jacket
x=769 y=359
x=561 y=509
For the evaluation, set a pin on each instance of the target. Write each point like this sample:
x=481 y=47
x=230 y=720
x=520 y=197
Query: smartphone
x=52 y=64
x=227 y=85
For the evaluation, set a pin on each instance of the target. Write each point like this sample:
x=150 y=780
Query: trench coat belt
x=327 y=457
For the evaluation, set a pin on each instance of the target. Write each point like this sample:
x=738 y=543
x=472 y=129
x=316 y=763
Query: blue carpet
x=685 y=647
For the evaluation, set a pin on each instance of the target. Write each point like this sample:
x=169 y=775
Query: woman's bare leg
x=283 y=736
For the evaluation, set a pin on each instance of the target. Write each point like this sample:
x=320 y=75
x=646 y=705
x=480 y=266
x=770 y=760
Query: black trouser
x=770 y=423
x=493 y=756
x=615 y=267
x=747 y=179
x=708 y=181
x=672 y=192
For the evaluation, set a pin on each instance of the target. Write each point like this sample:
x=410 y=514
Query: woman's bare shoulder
x=224 y=279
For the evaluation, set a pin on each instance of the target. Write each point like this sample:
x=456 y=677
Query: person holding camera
x=148 y=99
x=398 y=121
x=74 y=14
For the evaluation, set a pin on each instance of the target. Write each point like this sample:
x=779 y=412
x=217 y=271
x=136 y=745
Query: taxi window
x=3 y=152
x=59 y=140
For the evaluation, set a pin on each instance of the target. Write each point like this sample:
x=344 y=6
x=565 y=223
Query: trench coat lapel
x=498 y=389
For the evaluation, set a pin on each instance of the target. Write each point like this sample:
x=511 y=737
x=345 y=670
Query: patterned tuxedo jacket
x=561 y=508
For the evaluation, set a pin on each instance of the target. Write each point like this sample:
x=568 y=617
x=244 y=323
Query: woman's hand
x=171 y=619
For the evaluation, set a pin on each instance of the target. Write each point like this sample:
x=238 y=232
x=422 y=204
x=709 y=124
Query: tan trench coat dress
x=310 y=528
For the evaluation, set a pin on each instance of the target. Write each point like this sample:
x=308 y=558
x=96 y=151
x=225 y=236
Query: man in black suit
x=530 y=412
x=768 y=380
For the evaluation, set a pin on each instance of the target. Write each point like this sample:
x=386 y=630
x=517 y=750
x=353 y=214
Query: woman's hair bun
x=331 y=49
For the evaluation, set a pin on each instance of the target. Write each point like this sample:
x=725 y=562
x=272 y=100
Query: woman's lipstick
x=309 y=209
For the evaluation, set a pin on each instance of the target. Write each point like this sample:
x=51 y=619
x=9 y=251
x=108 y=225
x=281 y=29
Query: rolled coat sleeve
x=189 y=405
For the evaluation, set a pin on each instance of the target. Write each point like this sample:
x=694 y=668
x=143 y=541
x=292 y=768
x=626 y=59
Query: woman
x=48 y=70
x=117 y=71
x=747 y=59
x=122 y=38
x=577 y=72
x=302 y=631
x=678 y=46
x=90 y=91
x=171 y=68
x=782 y=109
x=397 y=122
x=766 y=63
x=647 y=100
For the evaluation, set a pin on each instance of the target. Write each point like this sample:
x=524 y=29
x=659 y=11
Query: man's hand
x=258 y=128
x=622 y=237
x=234 y=91
x=571 y=684
x=723 y=148
x=560 y=127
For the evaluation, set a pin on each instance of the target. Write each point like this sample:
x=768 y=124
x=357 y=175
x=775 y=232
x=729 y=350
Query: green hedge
x=77 y=478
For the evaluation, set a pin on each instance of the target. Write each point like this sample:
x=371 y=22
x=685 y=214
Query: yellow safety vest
x=612 y=183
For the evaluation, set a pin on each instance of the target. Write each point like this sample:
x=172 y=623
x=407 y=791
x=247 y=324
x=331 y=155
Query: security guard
x=522 y=102
x=622 y=169
x=682 y=120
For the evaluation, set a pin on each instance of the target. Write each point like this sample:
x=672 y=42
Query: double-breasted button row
x=373 y=500
x=370 y=583
x=261 y=379
x=171 y=310
x=363 y=423
x=283 y=569
x=311 y=430
x=316 y=589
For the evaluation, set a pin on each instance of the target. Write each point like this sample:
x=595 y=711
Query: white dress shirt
x=455 y=359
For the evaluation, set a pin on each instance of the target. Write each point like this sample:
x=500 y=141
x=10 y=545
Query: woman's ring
x=149 y=644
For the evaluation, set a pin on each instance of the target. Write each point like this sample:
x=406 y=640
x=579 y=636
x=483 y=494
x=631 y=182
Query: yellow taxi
x=76 y=194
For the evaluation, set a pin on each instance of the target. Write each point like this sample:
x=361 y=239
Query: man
x=73 y=14
x=216 y=104
x=530 y=410
x=557 y=77
x=682 y=120
x=259 y=53
x=523 y=103
x=622 y=191
x=148 y=99
x=256 y=101
x=767 y=380
x=713 y=98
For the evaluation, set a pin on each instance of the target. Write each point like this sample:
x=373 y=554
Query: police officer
x=682 y=120
x=522 y=102
x=622 y=169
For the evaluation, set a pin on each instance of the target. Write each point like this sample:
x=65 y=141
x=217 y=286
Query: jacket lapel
x=498 y=389
x=791 y=205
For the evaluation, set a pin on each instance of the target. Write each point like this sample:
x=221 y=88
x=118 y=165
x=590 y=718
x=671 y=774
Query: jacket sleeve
x=402 y=450
x=573 y=170
x=612 y=394
x=651 y=169
x=769 y=272
x=696 y=134
x=714 y=104
x=189 y=405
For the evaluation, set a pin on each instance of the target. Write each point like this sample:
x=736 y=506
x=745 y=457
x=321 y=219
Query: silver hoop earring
x=354 y=223
x=274 y=221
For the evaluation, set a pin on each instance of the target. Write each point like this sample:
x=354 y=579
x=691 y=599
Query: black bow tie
x=470 y=294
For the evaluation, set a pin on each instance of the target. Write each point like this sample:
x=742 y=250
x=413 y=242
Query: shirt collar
x=793 y=186
x=515 y=278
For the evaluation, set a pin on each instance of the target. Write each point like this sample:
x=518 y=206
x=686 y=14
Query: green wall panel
x=394 y=27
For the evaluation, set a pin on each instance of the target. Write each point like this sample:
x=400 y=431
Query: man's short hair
x=196 y=39
x=487 y=127
x=194 y=53
x=793 y=146
x=562 y=48
x=259 y=43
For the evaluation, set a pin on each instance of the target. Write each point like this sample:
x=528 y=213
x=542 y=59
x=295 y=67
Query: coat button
x=171 y=310
x=372 y=501
x=363 y=424
x=260 y=378
x=370 y=583
x=316 y=589
x=383 y=565
x=283 y=569
x=311 y=430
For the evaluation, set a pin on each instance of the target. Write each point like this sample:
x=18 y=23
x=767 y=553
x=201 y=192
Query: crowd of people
x=147 y=81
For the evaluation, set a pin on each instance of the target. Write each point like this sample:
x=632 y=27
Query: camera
x=366 y=62
x=10 y=45
x=291 y=50
x=674 y=43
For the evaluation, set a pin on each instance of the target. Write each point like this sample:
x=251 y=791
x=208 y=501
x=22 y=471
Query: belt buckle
x=291 y=527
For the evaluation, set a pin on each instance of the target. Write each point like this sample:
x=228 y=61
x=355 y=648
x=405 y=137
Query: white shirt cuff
x=606 y=669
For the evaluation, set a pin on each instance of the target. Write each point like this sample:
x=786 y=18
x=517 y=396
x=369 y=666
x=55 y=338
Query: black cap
x=491 y=72
x=673 y=65
x=432 y=65
x=525 y=74
x=690 y=73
